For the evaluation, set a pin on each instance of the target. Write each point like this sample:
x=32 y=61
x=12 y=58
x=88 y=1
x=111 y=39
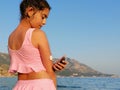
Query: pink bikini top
x=27 y=58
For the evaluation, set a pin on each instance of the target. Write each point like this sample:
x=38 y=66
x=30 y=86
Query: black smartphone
x=62 y=60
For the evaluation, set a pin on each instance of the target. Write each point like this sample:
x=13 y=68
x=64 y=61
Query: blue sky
x=85 y=30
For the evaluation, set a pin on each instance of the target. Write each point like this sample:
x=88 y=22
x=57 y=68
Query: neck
x=25 y=23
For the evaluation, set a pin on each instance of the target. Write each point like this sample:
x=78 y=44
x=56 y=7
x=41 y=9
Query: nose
x=44 y=21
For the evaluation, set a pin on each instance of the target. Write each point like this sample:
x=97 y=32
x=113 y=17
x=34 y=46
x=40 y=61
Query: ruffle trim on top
x=22 y=68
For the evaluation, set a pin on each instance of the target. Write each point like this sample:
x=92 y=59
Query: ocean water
x=73 y=83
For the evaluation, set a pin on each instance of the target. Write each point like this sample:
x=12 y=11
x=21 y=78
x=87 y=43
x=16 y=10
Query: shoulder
x=11 y=35
x=38 y=33
x=39 y=36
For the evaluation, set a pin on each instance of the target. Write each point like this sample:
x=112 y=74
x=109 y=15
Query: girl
x=29 y=50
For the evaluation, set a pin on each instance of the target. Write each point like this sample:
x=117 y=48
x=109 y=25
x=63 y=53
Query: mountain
x=73 y=68
x=4 y=58
x=77 y=69
x=4 y=64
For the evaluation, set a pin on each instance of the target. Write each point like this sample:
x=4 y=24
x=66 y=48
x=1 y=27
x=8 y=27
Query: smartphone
x=62 y=60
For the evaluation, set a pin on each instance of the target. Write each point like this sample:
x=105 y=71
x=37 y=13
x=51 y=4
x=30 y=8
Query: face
x=39 y=18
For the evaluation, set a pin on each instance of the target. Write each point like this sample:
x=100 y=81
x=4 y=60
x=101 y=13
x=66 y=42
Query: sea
x=73 y=83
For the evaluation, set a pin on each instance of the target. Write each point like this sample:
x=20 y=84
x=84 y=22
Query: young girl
x=29 y=50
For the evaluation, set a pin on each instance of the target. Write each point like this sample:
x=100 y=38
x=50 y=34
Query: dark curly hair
x=36 y=4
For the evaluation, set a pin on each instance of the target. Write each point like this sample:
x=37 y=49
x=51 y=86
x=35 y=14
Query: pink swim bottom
x=37 y=84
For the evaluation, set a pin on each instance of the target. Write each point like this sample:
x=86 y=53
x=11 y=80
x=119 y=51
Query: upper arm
x=42 y=44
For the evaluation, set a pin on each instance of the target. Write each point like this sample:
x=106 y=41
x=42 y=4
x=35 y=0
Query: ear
x=30 y=11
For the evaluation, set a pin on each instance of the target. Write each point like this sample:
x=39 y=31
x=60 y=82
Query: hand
x=57 y=66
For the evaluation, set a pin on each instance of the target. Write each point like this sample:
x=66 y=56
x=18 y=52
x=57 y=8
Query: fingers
x=55 y=68
x=59 y=66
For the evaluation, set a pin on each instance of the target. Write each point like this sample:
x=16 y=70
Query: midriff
x=33 y=75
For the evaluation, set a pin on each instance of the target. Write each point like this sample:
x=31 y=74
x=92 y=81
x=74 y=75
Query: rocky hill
x=74 y=68
x=77 y=69
x=4 y=64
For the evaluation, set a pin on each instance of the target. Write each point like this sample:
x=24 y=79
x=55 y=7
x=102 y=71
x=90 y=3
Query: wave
x=4 y=88
x=63 y=86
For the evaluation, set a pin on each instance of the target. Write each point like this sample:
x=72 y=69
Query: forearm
x=54 y=80
x=53 y=77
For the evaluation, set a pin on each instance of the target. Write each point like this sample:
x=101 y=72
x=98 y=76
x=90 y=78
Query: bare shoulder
x=11 y=36
x=39 y=37
x=39 y=33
